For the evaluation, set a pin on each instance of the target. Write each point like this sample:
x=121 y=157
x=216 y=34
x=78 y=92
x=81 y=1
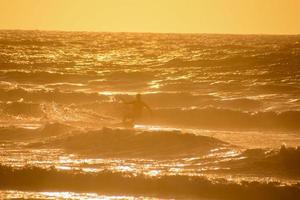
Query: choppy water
x=222 y=107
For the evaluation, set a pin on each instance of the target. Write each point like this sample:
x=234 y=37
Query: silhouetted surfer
x=136 y=111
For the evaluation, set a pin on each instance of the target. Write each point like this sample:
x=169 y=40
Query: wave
x=25 y=42
x=26 y=102
x=117 y=77
x=21 y=133
x=228 y=119
x=131 y=76
x=133 y=143
x=184 y=99
x=43 y=95
x=227 y=115
x=9 y=92
x=283 y=162
x=240 y=61
x=33 y=178
x=239 y=104
x=45 y=77
x=173 y=99
x=179 y=100
x=16 y=133
x=9 y=64
x=22 y=108
x=279 y=88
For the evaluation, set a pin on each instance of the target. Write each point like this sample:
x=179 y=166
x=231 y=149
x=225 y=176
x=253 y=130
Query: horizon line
x=150 y=32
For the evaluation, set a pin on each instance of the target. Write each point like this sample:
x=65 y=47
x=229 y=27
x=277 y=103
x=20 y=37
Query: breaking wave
x=33 y=178
x=283 y=162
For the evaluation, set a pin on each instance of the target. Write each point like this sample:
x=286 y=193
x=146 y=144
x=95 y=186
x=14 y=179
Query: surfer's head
x=138 y=97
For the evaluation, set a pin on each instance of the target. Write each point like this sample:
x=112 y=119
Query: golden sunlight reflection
x=124 y=115
x=11 y=194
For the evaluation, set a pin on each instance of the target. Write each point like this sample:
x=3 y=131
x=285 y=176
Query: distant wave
x=239 y=104
x=33 y=178
x=118 y=78
x=165 y=99
x=131 y=75
x=228 y=119
x=20 y=133
x=22 y=108
x=54 y=95
x=45 y=77
x=31 y=42
x=279 y=88
x=179 y=100
x=161 y=99
x=185 y=99
x=282 y=58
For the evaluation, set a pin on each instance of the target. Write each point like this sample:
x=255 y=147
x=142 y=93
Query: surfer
x=136 y=111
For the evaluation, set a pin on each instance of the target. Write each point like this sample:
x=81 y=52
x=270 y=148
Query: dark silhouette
x=136 y=111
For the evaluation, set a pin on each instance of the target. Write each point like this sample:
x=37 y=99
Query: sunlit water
x=65 y=195
x=242 y=90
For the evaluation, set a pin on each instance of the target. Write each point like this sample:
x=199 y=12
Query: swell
x=133 y=143
x=240 y=61
x=162 y=99
x=184 y=99
x=228 y=119
x=92 y=107
x=283 y=162
x=14 y=133
x=45 y=77
x=43 y=95
x=56 y=76
x=20 y=101
x=33 y=178
x=68 y=93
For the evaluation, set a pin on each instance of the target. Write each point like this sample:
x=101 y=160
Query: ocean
x=224 y=124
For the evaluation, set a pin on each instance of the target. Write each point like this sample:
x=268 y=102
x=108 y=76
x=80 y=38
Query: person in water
x=136 y=111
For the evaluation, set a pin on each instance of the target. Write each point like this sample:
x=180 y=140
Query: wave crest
x=229 y=119
x=33 y=178
x=132 y=143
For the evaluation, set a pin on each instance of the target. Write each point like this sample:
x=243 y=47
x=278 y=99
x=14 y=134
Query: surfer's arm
x=125 y=102
x=147 y=107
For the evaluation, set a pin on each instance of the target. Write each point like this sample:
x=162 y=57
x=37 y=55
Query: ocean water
x=225 y=121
